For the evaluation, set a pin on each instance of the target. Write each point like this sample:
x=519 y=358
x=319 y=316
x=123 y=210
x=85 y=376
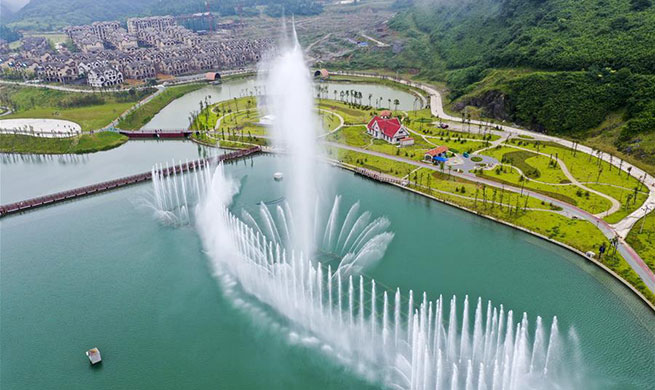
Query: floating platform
x=94 y=355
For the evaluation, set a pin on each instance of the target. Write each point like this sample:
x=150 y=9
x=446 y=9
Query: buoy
x=277 y=176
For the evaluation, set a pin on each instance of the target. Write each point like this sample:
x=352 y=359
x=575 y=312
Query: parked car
x=443 y=125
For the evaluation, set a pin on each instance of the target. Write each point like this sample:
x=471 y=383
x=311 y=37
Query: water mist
x=295 y=128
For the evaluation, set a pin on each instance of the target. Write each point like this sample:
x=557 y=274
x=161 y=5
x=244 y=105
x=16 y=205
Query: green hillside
x=558 y=66
x=543 y=34
x=54 y=14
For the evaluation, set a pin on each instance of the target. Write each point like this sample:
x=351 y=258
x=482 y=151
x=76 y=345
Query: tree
x=640 y=5
x=396 y=102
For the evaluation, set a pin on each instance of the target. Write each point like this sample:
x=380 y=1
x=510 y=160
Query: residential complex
x=106 y=54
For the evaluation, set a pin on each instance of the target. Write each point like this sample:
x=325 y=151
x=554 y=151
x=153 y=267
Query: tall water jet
x=290 y=102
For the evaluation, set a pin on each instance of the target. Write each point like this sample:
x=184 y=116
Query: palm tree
x=396 y=102
x=370 y=96
x=335 y=94
x=389 y=101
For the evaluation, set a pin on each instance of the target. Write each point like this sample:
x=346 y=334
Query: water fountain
x=405 y=339
x=399 y=339
x=294 y=126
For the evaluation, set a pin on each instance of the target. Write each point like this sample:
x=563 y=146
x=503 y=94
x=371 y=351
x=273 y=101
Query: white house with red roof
x=390 y=130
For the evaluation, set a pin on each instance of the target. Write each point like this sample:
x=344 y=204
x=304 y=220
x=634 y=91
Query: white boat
x=277 y=176
x=94 y=355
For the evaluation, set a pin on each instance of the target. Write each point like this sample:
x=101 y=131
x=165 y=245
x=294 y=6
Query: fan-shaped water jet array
x=406 y=339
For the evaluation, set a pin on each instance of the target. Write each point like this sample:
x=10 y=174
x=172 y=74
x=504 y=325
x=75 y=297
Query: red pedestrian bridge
x=117 y=183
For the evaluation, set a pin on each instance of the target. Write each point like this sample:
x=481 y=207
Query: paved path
x=7 y=112
x=319 y=40
x=615 y=204
x=378 y=43
x=143 y=101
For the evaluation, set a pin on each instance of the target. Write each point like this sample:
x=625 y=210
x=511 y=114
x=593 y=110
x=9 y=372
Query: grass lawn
x=578 y=234
x=455 y=145
x=351 y=115
x=414 y=152
x=328 y=120
x=539 y=168
x=90 y=111
x=142 y=115
x=621 y=194
x=351 y=135
x=245 y=121
x=430 y=130
x=567 y=193
x=89 y=117
x=85 y=143
x=378 y=164
x=644 y=242
x=491 y=197
x=584 y=167
x=206 y=120
x=356 y=136
x=233 y=113
x=549 y=170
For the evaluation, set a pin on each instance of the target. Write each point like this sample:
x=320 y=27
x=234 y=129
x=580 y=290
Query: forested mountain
x=53 y=14
x=560 y=66
x=543 y=34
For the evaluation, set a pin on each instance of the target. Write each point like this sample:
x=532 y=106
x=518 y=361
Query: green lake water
x=176 y=114
x=102 y=271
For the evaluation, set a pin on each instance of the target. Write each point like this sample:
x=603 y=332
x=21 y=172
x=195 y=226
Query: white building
x=104 y=76
x=390 y=130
